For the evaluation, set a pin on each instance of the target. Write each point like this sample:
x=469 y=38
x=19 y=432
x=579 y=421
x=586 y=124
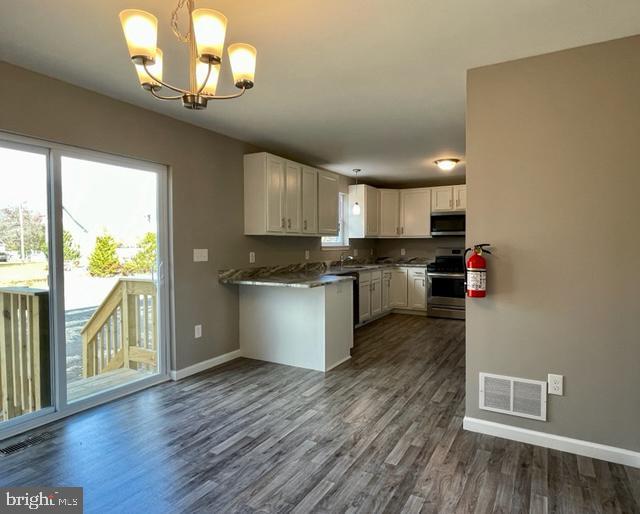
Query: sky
x=98 y=196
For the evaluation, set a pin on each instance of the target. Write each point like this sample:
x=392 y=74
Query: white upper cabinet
x=367 y=223
x=283 y=197
x=309 y=200
x=415 y=212
x=449 y=198
x=275 y=194
x=328 y=188
x=293 y=197
x=442 y=199
x=460 y=197
x=389 y=212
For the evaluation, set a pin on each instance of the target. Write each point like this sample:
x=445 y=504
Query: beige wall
x=425 y=248
x=207 y=194
x=554 y=178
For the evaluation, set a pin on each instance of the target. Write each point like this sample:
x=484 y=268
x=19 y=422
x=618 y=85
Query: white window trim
x=343 y=200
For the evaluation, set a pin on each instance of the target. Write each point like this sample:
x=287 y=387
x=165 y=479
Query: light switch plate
x=198 y=331
x=306 y=255
x=200 y=254
x=555 y=384
x=371 y=251
x=252 y=257
x=403 y=251
x=355 y=252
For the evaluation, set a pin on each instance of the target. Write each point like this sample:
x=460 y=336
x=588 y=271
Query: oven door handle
x=446 y=275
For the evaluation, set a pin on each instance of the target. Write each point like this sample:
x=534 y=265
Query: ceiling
x=342 y=84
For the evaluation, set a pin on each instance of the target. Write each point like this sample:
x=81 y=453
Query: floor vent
x=26 y=443
x=515 y=396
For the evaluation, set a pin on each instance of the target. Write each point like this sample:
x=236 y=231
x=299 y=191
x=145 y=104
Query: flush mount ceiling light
x=447 y=164
x=205 y=38
x=356 y=210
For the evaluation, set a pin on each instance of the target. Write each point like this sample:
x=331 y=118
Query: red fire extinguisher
x=476 y=271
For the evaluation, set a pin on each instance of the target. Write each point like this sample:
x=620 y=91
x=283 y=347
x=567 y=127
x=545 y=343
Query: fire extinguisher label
x=477 y=280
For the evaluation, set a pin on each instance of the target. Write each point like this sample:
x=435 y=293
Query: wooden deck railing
x=122 y=333
x=24 y=350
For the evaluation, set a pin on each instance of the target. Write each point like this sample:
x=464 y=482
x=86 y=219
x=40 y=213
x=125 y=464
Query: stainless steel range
x=445 y=284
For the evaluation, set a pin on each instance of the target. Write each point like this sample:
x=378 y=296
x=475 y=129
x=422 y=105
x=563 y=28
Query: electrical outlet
x=200 y=254
x=555 y=384
x=371 y=252
x=198 y=331
x=306 y=255
x=403 y=251
x=252 y=257
x=355 y=252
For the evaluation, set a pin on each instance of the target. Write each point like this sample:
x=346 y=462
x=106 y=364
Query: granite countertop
x=315 y=274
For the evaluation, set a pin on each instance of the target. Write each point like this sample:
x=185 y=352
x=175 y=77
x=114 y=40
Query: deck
x=99 y=383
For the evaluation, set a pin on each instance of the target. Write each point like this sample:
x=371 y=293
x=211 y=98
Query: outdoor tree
x=21 y=230
x=103 y=261
x=71 y=250
x=145 y=260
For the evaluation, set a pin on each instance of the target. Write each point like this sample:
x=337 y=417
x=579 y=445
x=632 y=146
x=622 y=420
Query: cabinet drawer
x=376 y=275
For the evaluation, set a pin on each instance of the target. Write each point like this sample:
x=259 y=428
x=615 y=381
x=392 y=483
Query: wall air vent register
x=515 y=396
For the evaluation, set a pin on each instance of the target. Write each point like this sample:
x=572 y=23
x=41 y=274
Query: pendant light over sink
x=356 y=210
x=205 y=37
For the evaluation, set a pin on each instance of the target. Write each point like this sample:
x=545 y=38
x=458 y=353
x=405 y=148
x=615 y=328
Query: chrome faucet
x=344 y=257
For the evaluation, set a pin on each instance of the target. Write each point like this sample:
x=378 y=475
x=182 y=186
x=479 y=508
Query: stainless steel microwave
x=447 y=224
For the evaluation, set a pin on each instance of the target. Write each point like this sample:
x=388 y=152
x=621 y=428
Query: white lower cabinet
x=381 y=291
x=398 y=288
x=417 y=291
x=386 y=285
x=364 y=297
x=376 y=293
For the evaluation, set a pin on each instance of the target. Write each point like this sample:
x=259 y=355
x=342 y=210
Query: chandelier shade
x=209 y=29
x=208 y=75
x=146 y=81
x=141 y=32
x=243 y=64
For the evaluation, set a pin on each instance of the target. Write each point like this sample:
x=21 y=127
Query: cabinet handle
x=289 y=223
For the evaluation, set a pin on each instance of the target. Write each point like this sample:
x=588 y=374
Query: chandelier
x=205 y=38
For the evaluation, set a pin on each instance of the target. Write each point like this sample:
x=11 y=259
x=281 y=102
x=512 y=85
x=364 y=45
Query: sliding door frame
x=60 y=407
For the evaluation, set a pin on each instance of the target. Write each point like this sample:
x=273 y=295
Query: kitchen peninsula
x=295 y=315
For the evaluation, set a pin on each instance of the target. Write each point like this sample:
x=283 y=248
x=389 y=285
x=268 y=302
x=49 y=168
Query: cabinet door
x=460 y=197
x=376 y=297
x=389 y=212
x=309 y=200
x=417 y=294
x=364 y=301
x=415 y=213
x=398 y=288
x=275 y=194
x=442 y=199
x=293 y=197
x=386 y=285
x=372 y=211
x=327 y=203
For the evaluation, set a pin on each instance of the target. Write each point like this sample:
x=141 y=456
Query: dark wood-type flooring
x=381 y=433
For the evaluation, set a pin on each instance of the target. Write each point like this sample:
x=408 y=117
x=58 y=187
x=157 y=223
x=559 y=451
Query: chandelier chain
x=174 y=20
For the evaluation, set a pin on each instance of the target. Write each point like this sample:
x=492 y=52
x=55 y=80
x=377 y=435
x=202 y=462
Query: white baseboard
x=338 y=363
x=204 y=365
x=555 y=442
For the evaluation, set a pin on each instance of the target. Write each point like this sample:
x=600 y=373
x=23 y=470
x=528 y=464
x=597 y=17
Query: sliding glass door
x=83 y=301
x=110 y=234
x=25 y=364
